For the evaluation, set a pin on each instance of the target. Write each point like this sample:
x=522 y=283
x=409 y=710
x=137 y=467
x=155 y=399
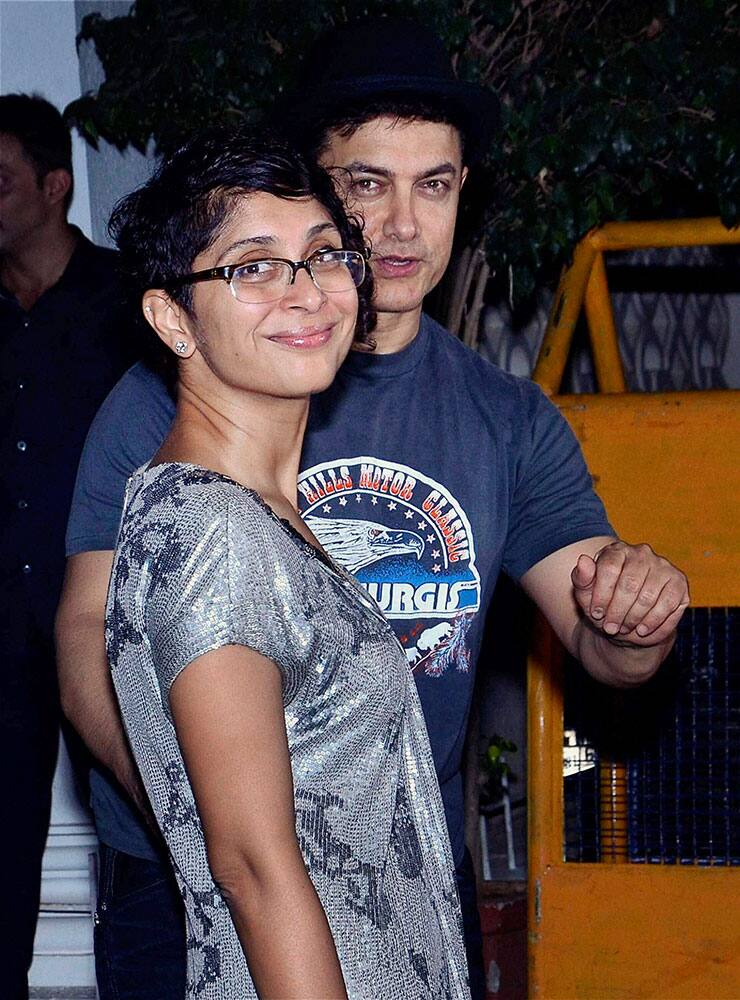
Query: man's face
x=404 y=178
x=23 y=203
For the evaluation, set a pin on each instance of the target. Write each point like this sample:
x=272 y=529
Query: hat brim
x=475 y=107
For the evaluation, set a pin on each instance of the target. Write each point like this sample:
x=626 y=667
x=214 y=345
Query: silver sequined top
x=202 y=562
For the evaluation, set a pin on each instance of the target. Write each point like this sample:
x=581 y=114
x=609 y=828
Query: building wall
x=111 y=173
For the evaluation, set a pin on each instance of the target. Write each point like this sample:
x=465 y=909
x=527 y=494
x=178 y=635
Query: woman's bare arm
x=228 y=712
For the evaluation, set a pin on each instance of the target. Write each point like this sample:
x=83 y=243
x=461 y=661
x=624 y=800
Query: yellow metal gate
x=667 y=467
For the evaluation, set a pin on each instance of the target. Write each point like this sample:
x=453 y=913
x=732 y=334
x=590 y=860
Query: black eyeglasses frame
x=225 y=272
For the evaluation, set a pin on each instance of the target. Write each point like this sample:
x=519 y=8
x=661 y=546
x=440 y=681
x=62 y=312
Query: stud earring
x=181 y=346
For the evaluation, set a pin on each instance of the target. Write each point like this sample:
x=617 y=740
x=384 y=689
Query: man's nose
x=400 y=222
x=304 y=293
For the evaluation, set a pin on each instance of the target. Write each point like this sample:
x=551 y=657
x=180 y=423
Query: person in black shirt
x=65 y=338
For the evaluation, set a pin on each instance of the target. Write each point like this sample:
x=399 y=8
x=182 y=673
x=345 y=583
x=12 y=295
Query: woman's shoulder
x=161 y=491
x=195 y=505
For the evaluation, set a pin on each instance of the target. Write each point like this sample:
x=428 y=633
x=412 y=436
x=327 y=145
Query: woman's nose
x=303 y=293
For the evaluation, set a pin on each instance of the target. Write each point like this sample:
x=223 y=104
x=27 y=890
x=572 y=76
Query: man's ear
x=463 y=176
x=170 y=321
x=56 y=185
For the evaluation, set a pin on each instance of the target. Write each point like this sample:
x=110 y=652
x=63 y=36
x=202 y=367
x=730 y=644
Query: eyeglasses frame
x=225 y=272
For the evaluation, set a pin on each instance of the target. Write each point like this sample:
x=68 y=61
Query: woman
x=269 y=707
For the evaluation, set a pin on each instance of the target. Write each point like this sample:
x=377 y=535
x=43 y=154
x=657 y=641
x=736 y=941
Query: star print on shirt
x=327 y=508
x=342 y=502
x=409 y=514
x=392 y=505
x=421 y=525
x=436 y=568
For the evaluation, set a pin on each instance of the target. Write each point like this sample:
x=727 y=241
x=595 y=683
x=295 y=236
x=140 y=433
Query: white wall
x=38 y=55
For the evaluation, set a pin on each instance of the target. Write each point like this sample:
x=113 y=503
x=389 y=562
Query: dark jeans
x=465 y=876
x=29 y=737
x=140 y=932
x=139 y=929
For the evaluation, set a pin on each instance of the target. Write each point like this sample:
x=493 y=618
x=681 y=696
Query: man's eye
x=365 y=185
x=436 y=186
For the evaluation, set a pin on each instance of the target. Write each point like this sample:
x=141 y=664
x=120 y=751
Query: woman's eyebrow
x=270 y=241
x=249 y=241
x=320 y=228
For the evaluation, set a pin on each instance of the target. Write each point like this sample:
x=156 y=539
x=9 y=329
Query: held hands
x=630 y=595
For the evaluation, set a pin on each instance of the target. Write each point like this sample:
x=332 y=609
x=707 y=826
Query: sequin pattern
x=201 y=562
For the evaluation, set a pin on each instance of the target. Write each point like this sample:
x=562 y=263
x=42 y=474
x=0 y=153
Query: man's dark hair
x=42 y=133
x=402 y=107
x=162 y=227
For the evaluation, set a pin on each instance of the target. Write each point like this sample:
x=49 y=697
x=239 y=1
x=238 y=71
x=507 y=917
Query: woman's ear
x=170 y=321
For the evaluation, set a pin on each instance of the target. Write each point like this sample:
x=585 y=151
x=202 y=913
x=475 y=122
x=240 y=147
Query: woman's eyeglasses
x=268 y=280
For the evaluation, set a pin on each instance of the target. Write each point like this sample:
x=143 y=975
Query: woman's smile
x=305 y=337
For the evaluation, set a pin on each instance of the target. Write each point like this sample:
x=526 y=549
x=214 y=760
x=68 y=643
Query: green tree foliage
x=610 y=109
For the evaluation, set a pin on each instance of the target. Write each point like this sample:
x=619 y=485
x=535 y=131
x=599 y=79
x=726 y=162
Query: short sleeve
x=128 y=429
x=216 y=587
x=554 y=503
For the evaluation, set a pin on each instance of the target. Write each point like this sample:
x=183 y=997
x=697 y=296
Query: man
x=63 y=343
x=425 y=469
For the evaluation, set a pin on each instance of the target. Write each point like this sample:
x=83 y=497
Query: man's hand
x=630 y=594
x=614 y=606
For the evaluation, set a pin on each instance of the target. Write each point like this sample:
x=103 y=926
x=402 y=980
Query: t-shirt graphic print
x=409 y=542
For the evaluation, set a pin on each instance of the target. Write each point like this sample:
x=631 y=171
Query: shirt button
x=26 y=568
x=22 y=504
x=21 y=445
x=21 y=385
x=26 y=323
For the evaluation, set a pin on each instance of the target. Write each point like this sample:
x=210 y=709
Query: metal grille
x=679 y=738
x=684 y=790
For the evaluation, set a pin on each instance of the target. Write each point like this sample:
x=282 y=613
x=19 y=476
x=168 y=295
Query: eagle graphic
x=356 y=544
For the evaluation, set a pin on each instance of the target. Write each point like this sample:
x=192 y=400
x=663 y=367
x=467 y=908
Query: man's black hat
x=371 y=60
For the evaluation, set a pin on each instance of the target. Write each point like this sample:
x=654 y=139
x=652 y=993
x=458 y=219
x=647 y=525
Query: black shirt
x=58 y=360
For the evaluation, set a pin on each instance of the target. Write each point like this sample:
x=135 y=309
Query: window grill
x=679 y=739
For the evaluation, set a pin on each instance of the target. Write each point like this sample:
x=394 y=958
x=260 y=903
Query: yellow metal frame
x=666 y=466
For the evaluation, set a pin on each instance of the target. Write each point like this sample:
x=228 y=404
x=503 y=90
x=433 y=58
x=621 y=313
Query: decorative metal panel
x=679 y=737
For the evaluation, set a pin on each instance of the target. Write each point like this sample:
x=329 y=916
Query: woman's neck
x=252 y=438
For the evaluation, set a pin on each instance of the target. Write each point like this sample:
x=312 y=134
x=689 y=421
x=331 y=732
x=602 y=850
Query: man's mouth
x=393 y=266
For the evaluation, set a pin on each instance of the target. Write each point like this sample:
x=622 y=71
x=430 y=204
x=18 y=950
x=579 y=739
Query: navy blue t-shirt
x=425 y=473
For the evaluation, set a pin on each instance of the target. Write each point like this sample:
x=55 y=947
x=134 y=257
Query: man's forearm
x=616 y=662
x=89 y=701
x=85 y=685
x=614 y=606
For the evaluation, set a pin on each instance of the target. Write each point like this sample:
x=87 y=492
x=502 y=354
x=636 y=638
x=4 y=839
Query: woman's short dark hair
x=163 y=226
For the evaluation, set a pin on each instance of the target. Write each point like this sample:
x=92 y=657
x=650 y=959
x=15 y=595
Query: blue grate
x=684 y=792
x=680 y=739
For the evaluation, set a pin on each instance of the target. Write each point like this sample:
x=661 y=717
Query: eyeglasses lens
x=268 y=280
